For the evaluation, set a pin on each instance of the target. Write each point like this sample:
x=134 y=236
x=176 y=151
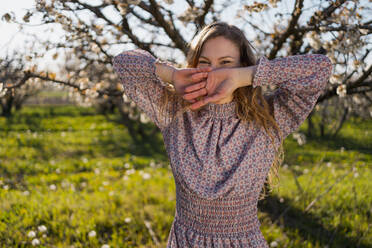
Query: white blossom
x=341 y=90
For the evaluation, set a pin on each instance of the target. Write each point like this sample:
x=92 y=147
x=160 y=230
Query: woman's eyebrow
x=219 y=58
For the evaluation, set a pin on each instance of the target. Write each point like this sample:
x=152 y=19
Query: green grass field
x=72 y=178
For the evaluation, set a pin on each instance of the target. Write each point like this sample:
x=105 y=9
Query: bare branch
x=278 y=43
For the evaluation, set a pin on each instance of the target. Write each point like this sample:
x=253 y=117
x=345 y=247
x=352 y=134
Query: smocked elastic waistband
x=226 y=216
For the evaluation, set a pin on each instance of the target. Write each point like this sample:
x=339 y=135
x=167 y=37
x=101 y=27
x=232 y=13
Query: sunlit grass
x=71 y=178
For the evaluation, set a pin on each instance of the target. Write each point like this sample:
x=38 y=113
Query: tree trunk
x=310 y=125
x=7 y=107
x=342 y=121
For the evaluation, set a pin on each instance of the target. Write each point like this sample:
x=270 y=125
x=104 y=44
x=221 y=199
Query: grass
x=75 y=172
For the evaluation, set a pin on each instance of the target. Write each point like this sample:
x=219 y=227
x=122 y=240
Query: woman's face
x=219 y=52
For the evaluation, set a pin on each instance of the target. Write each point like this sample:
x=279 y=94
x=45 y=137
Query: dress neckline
x=220 y=110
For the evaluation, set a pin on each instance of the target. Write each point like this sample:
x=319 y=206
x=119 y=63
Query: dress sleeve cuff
x=261 y=76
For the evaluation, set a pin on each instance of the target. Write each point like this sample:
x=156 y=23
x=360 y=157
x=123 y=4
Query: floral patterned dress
x=219 y=163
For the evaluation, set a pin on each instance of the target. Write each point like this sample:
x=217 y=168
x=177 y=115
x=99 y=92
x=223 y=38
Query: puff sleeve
x=136 y=70
x=300 y=79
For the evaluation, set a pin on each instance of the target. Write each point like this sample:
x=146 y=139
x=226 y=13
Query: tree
x=13 y=88
x=94 y=33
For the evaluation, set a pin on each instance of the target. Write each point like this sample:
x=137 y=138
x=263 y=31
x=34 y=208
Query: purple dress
x=220 y=164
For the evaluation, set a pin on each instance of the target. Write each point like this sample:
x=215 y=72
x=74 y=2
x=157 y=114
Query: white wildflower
x=126 y=165
x=105 y=246
x=130 y=171
x=152 y=164
x=127 y=220
x=31 y=234
x=146 y=176
x=96 y=171
x=26 y=192
x=52 y=187
x=105 y=183
x=274 y=244
x=35 y=242
x=42 y=228
x=92 y=234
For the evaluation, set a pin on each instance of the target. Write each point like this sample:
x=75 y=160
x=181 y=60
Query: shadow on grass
x=309 y=226
x=30 y=117
x=150 y=144
x=348 y=143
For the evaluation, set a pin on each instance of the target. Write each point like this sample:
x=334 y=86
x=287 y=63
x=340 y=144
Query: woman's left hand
x=220 y=86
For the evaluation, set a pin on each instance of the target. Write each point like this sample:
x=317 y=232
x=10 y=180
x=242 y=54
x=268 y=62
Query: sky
x=12 y=39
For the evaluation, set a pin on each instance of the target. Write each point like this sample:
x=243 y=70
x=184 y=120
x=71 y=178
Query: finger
x=199 y=76
x=195 y=94
x=194 y=87
x=205 y=101
x=197 y=104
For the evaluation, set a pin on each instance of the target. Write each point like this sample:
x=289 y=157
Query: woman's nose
x=214 y=66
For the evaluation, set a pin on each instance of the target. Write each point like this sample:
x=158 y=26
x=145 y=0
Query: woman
x=221 y=133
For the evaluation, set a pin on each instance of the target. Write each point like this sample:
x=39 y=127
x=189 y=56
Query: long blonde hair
x=251 y=105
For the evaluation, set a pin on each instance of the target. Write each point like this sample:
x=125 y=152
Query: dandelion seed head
x=127 y=220
x=35 y=242
x=274 y=244
x=146 y=176
x=52 y=187
x=31 y=234
x=42 y=228
x=92 y=234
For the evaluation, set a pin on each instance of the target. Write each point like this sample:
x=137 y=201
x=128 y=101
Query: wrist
x=243 y=76
x=165 y=71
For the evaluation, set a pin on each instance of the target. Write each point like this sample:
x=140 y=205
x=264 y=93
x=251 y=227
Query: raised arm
x=143 y=82
x=300 y=80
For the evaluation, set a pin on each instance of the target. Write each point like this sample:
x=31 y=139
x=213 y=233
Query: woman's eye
x=225 y=62
x=203 y=62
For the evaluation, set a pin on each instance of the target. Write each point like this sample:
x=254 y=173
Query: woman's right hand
x=184 y=77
